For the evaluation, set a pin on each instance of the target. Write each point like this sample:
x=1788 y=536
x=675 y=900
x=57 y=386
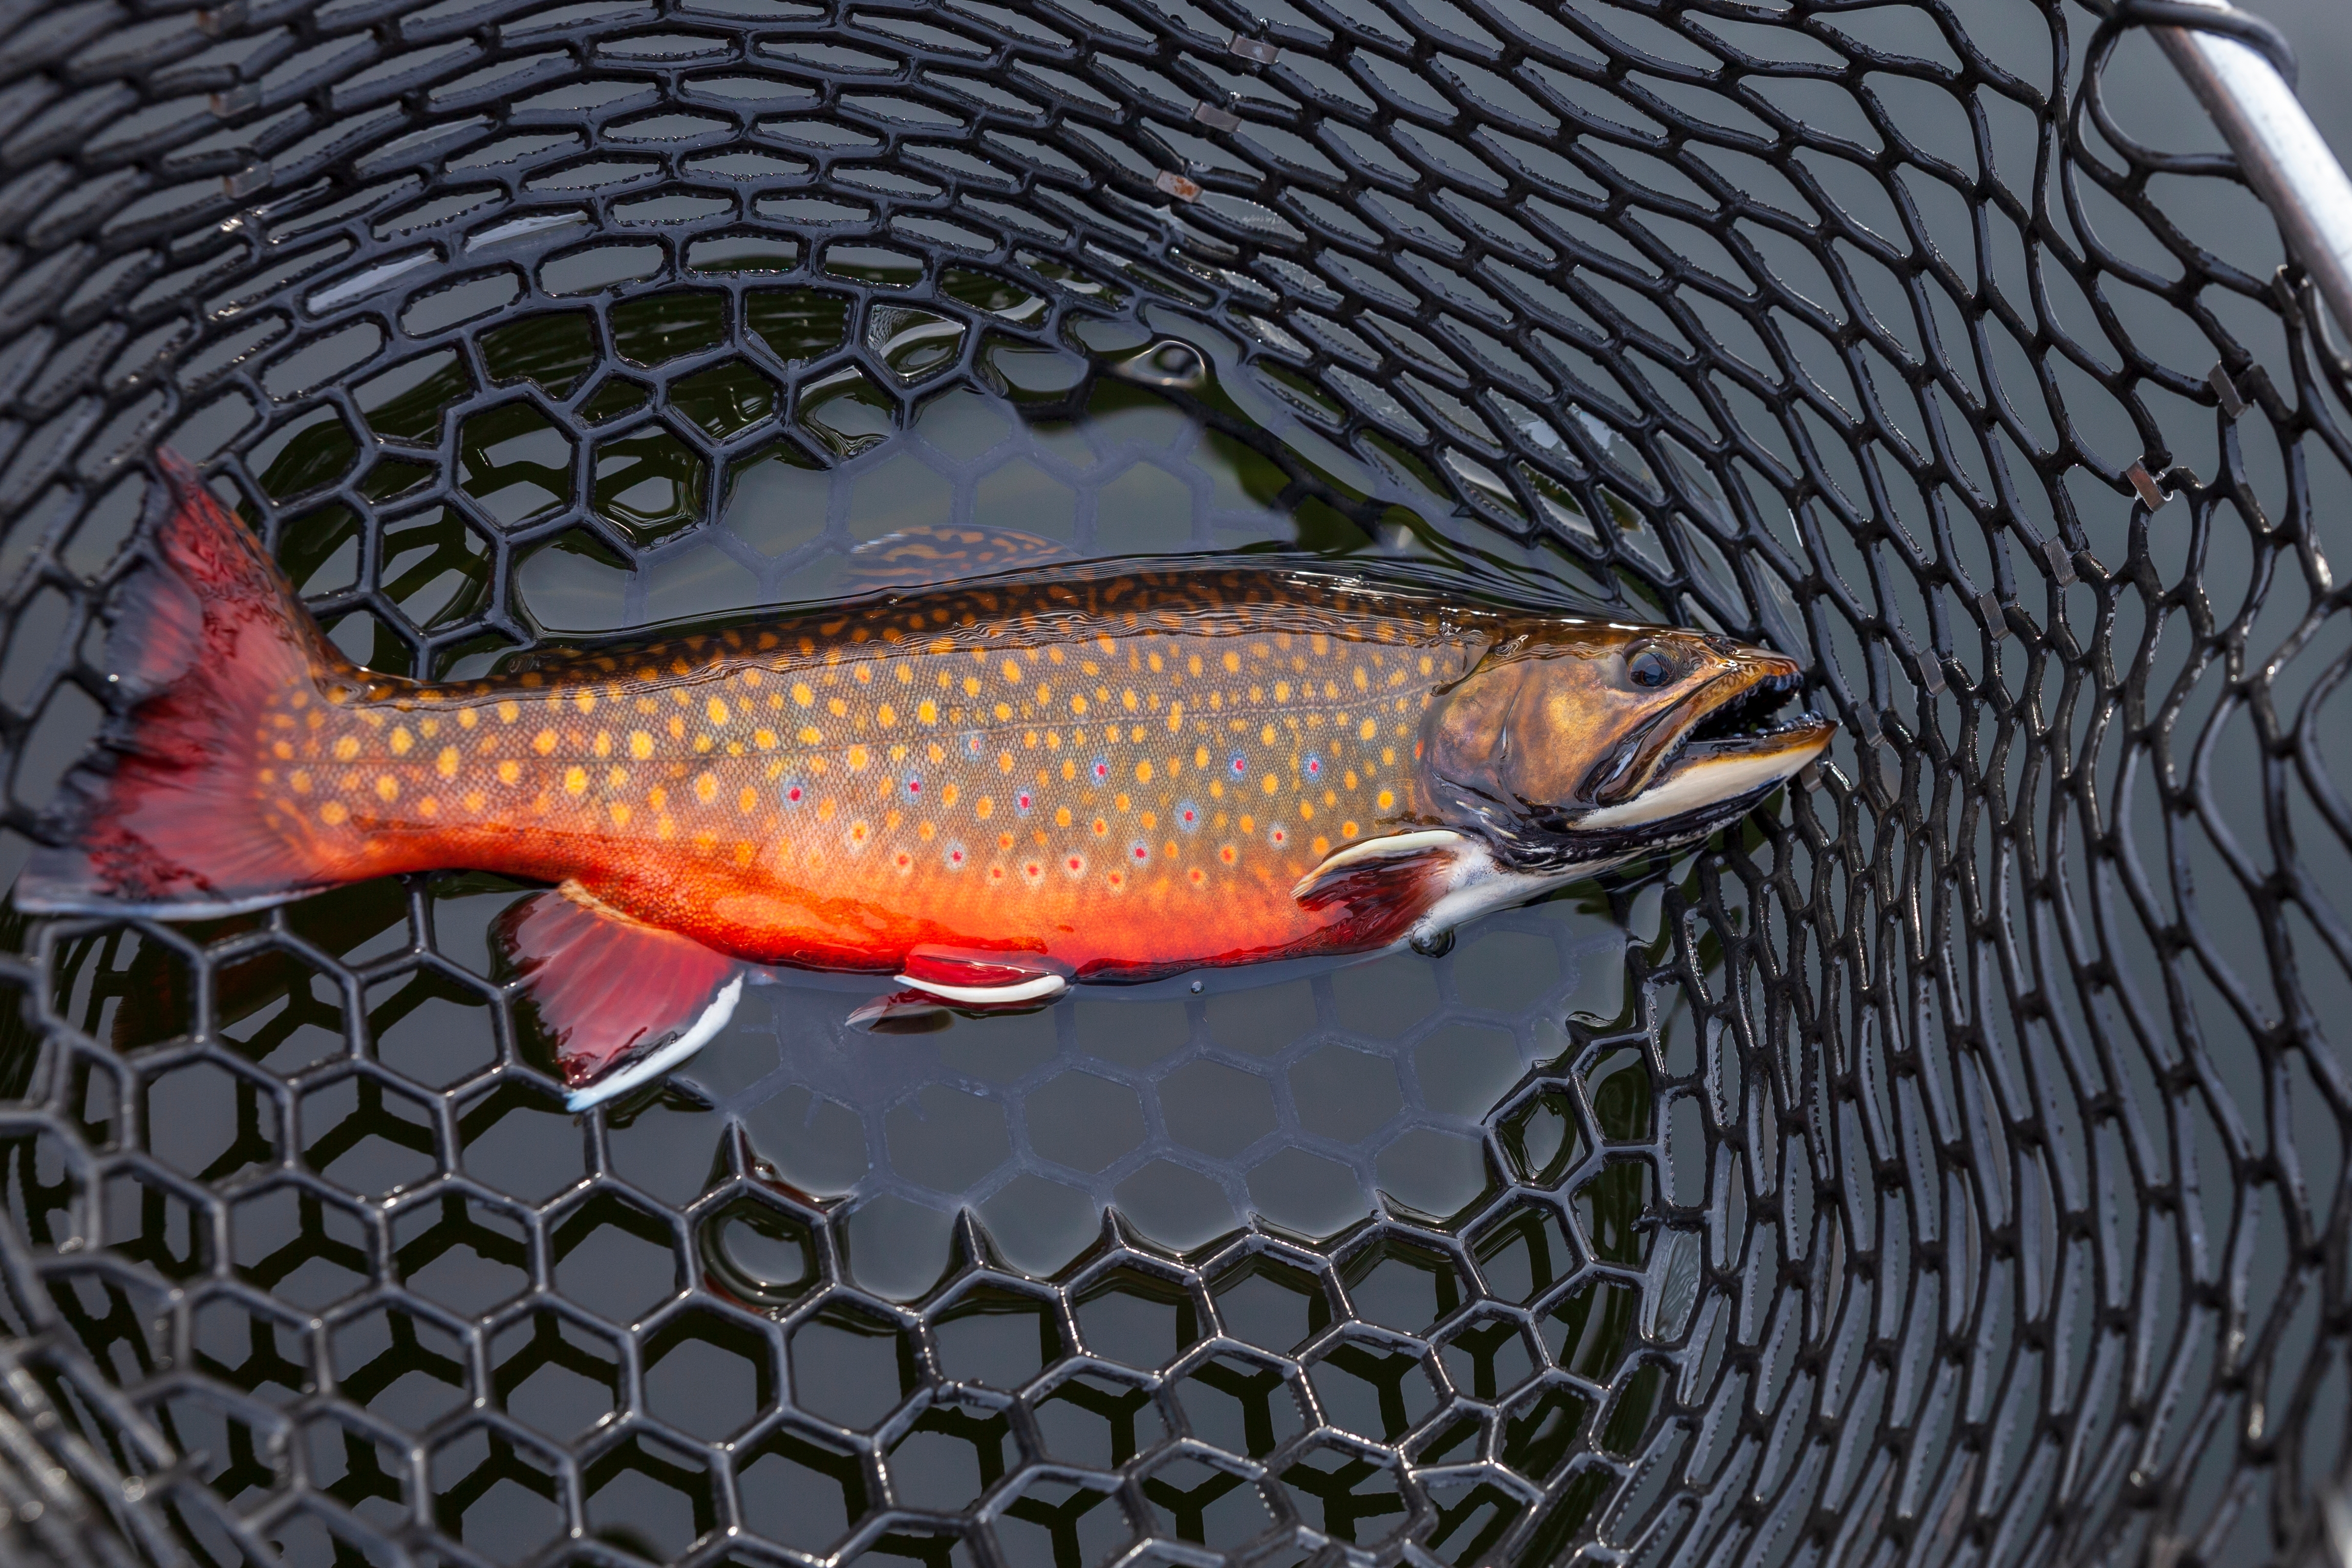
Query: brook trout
x=989 y=789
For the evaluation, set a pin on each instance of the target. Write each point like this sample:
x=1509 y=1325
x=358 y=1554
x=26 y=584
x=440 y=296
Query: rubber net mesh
x=1948 y=1166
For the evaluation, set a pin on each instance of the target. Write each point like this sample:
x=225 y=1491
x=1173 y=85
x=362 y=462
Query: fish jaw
x=1699 y=776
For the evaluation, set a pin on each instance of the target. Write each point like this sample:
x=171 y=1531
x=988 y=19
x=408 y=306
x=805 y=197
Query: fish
x=989 y=789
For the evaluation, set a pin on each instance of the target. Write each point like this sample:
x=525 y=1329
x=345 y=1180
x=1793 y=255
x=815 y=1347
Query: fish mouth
x=1718 y=752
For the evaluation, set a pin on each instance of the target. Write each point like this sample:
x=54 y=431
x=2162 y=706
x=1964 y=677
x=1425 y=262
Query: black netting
x=1949 y=1165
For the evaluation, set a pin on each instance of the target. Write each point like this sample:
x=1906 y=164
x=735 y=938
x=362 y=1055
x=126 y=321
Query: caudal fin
x=169 y=817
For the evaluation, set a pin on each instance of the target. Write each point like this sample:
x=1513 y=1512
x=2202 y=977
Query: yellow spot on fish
x=347 y=748
x=809 y=736
x=1143 y=771
x=402 y=740
x=705 y=787
x=446 y=763
x=1265 y=735
x=747 y=799
x=1078 y=703
x=765 y=739
x=620 y=811
x=858 y=758
x=1200 y=756
x=332 y=813
x=1385 y=799
x=1062 y=816
x=641 y=745
x=468 y=718
x=1233 y=663
x=802 y=695
x=584 y=700
x=510 y=770
x=716 y=711
x=1270 y=786
x=602 y=745
x=948 y=795
x=886 y=716
x=543 y=742
x=1012 y=672
x=301 y=781
x=927 y=711
x=981 y=807
x=387 y=788
x=575 y=780
x=1370 y=729
x=509 y=711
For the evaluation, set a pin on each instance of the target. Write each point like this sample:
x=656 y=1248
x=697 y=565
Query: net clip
x=2061 y=561
x=1178 y=186
x=2225 y=387
x=1995 y=614
x=2151 y=495
x=230 y=102
x=1208 y=114
x=1253 y=50
x=217 y=21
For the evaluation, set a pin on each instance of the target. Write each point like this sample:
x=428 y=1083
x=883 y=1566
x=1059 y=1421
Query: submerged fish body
x=990 y=789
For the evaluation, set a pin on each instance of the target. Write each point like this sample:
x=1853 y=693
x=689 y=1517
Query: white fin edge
x=1389 y=848
x=981 y=996
x=714 y=1019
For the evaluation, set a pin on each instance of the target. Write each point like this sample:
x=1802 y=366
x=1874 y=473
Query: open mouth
x=1749 y=720
x=1738 y=747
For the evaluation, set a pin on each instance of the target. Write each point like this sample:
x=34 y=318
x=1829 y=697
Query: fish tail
x=174 y=815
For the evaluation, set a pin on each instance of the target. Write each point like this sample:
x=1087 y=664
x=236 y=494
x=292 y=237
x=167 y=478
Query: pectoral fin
x=1399 y=876
x=621 y=1002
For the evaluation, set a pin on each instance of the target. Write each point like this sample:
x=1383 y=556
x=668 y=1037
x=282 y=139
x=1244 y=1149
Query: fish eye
x=1652 y=668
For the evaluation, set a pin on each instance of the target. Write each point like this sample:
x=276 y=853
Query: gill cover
x=1559 y=721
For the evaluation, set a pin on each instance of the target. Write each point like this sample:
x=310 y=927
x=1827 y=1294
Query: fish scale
x=1033 y=764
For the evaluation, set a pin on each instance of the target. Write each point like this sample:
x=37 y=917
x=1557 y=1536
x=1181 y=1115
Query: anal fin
x=621 y=1002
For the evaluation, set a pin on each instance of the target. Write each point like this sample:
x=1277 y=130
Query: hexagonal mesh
x=1948 y=1166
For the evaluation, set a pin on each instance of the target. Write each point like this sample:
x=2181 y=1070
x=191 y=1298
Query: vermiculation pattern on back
x=1096 y=762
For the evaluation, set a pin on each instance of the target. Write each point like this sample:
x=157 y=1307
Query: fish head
x=1579 y=743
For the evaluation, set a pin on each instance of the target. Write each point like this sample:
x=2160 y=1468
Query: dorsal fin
x=942 y=552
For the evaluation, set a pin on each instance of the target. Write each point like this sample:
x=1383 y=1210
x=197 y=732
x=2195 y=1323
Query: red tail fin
x=169 y=819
